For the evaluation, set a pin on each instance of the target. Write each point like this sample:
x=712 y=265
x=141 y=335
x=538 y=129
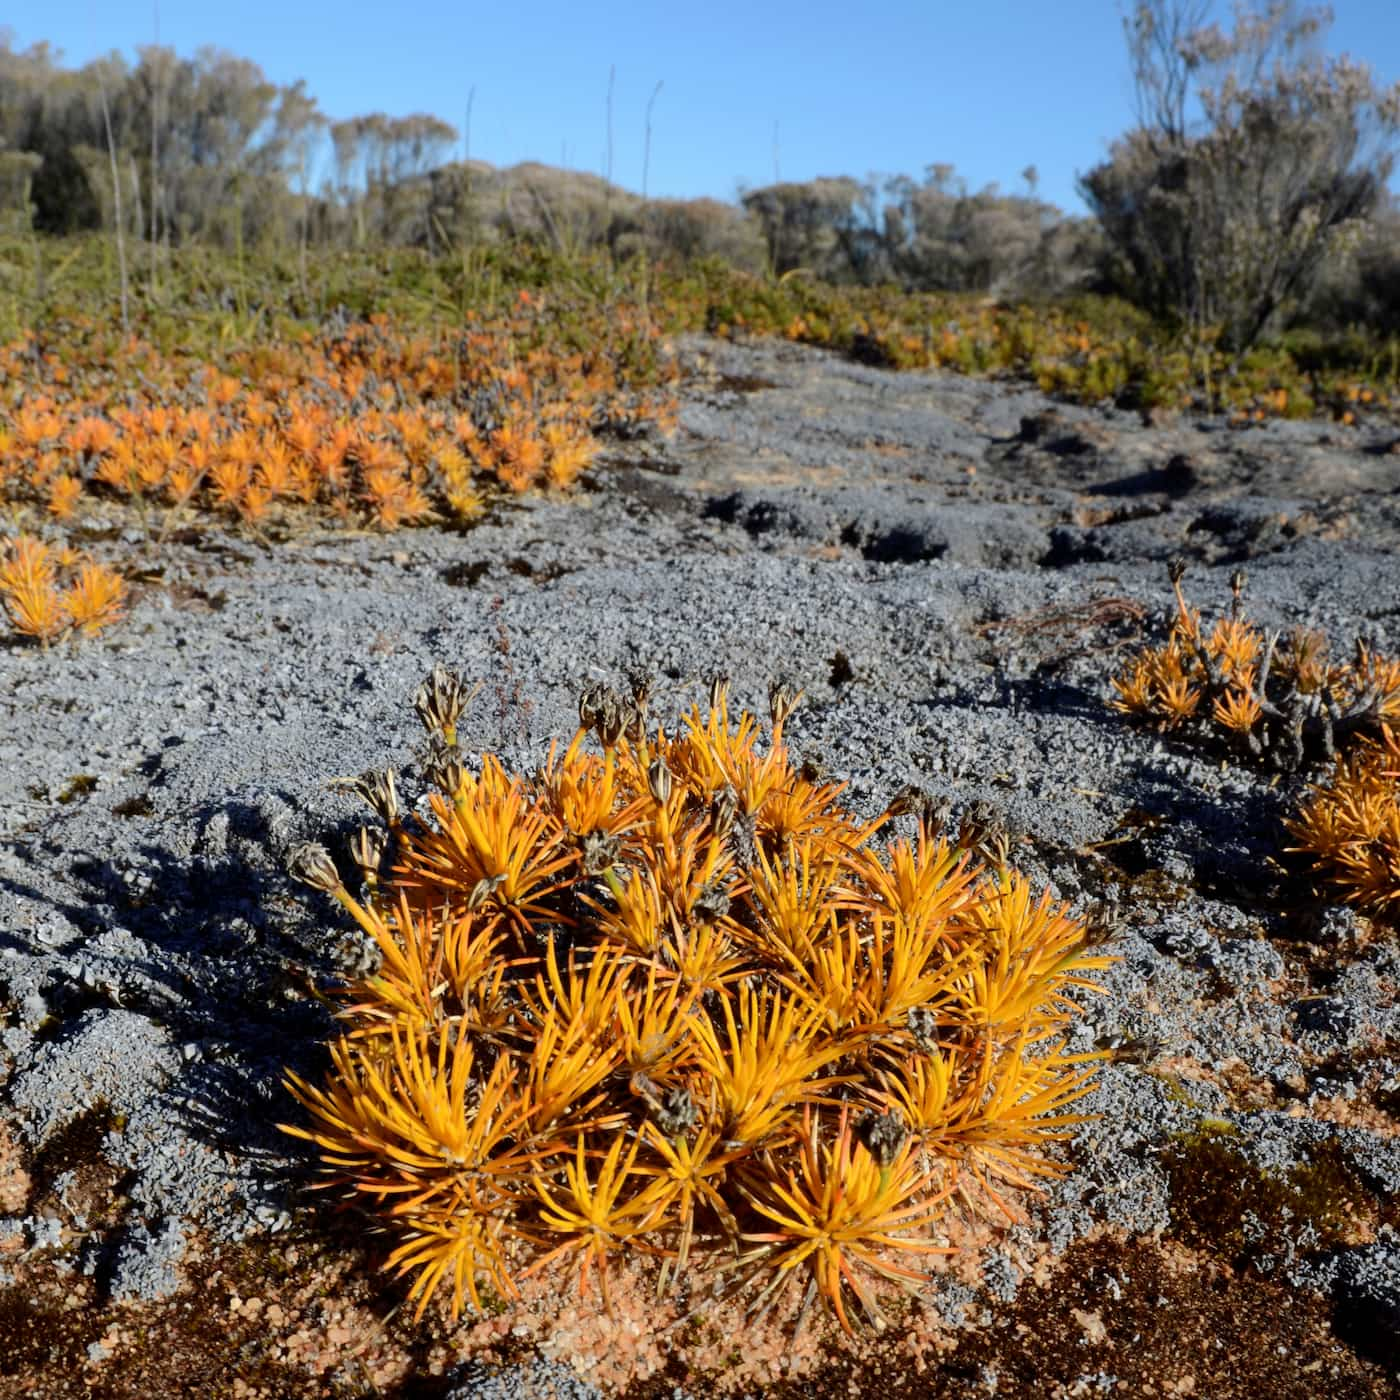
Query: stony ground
x=952 y=569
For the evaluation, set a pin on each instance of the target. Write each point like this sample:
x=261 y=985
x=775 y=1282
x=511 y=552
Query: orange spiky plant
x=369 y=423
x=1350 y=825
x=845 y=1210
x=48 y=593
x=29 y=587
x=667 y=1001
x=1269 y=697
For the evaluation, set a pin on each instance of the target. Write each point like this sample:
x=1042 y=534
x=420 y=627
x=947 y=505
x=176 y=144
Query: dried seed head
x=603 y=710
x=645 y=1087
x=1125 y=1051
x=814 y=771
x=719 y=692
x=377 y=790
x=311 y=863
x=367 y=848
x=984 y=832
x=640 y=683
x=923 y=1026
x=677 y=1113
x=909 y=800
x=743 y=840
x=590 y=703
x=724 y=807
x=783 y=697
x=444 y=767
x=440 y=701
x=977 y=819
x=1237 y=583
x=712 y=902
x=1103 y=922
x=634 y=722
x=600 y=851
x=659 y=781
x=1176 y=569
x=613 y=720
x=882 y=1134
x=360 y=957
x=483 y=890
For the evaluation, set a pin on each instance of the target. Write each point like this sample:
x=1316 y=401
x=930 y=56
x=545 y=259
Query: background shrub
x=1223 y=222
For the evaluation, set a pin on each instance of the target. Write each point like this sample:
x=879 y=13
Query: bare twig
x=116 y=202
x=646 y=146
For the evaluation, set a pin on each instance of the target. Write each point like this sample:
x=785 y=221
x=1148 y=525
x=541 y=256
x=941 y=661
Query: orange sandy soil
x=312 y=1317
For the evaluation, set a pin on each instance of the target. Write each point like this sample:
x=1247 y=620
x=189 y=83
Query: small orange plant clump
x=47 y=593
x=1350 y=825
x=1275 y=698
x=666 y=1004
x=371 y=423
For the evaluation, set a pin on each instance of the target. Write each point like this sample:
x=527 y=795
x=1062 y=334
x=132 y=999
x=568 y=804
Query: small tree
x=803 y=222
x=939 y=236
x=300 y=127
x=1219 y=225
x=16 y=188
x=1363 y=289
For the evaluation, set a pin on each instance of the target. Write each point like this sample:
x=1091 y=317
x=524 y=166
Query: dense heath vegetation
x=187 y=327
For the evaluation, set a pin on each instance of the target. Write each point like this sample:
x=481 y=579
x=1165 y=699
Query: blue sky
x=750 y=90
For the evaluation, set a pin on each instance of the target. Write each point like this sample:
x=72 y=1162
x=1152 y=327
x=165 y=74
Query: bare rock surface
x=952 y=569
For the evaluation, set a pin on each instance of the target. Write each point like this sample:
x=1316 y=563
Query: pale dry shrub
x=1221 y=224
